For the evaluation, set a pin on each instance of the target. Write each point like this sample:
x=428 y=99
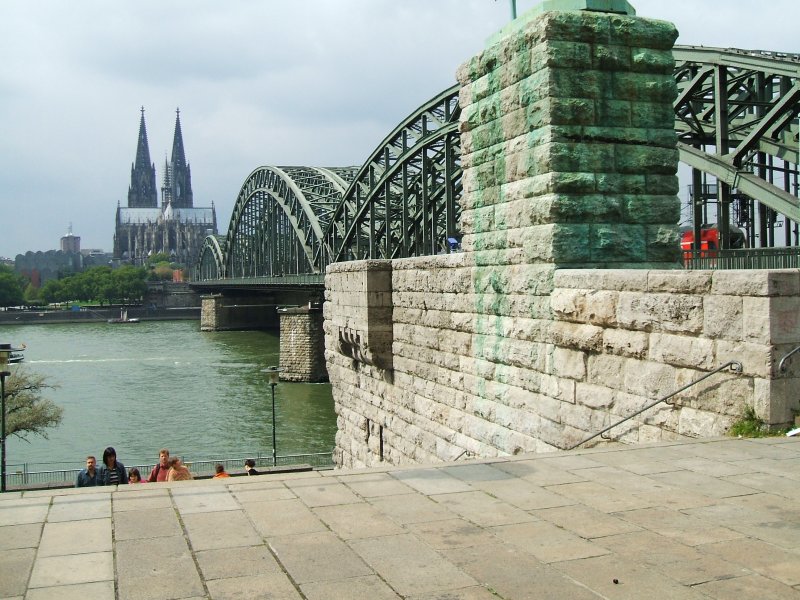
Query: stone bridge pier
x=567 y=309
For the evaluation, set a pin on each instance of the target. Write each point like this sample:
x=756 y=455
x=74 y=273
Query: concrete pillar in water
x=568 y=140
x=302 y=344
x=211 y=313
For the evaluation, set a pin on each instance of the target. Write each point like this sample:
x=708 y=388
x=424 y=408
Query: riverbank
x=97 y=315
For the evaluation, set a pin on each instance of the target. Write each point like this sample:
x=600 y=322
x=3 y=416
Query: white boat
x=123 y=318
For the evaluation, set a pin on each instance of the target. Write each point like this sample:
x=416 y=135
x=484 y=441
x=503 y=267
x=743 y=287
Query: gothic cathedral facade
x=176 y=227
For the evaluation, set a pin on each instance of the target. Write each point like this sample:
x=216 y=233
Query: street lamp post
x=274 y=375
x=5 y=353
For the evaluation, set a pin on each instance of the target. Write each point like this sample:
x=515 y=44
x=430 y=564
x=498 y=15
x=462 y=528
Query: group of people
x=112 y=472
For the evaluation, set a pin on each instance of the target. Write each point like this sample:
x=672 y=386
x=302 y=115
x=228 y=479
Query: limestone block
x=756 y=282
x=594 y=396
x=611 y=57
x=645 y=87
x=606 y=370
x=596 y=307
x=613 y=113
x=725 y=393
x=645 y=160
x=648 y=434
x=699 y=423
x=776 y=401
x=681 y=350
x=583 y=418
x=681 y=313
x=756 y=359
x=784 y=322
x=622 y=342
x=570 y=364
x=681 y=282
x=662 y=184
x=597 y=279
x=649 y=379
x=757 y=319
x=588 y=338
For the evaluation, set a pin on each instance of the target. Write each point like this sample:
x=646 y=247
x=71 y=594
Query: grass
x=752 y=426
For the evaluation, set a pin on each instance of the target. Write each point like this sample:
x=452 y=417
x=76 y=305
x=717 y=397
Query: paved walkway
x=708 y=519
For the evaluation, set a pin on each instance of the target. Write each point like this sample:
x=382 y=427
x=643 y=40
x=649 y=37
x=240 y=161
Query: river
x=141 y=387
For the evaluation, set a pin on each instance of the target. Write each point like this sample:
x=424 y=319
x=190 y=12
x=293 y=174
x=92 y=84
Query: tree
x=27 y=411
x=11 y=287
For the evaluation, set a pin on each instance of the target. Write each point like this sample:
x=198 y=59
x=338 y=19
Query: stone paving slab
x=707 y=519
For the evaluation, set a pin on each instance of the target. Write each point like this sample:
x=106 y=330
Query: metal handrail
x=782 y=365
x=735 y=366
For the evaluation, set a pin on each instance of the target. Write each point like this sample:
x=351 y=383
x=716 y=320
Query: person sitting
x=178 y=471
x=250 y=467
x=159 y=472
x=220 y=469
x=88 y=476
x=134 y=476
x=112 y=472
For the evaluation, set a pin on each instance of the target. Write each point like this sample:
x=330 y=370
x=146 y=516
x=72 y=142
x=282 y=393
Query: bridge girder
x=735 y=110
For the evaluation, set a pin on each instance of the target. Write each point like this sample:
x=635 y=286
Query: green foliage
x=750 y=425
x=125 y=284
x=11 y=287
x=159 y=257
x=32 y=296
x=27 y=412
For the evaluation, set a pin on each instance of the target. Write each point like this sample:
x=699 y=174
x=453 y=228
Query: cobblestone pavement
x=706 y=519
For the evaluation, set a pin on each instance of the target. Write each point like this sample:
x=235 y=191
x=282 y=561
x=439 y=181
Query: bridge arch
x=211 y=261
x=278 y=220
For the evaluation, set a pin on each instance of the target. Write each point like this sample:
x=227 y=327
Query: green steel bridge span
x=736 y=118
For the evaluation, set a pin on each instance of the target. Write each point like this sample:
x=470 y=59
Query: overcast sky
x=258 y=82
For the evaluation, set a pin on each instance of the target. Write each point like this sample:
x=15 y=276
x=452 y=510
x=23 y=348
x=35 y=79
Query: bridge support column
x=568 y=140
x=211 y=314
x=302 y=344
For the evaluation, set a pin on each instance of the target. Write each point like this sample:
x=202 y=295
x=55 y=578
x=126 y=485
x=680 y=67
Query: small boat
x=123 y=318
x=15 y=357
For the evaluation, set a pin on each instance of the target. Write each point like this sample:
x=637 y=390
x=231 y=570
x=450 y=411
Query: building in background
x=176 y=227
x=70 y=242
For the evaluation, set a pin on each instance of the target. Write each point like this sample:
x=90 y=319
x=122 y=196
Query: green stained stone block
x=663 y=244
x=570 y=243
x=611 y=58
x=586 y=208
x=572 y=111
x=662 y=184
x=569 y=83
x=642 y=33
x=575 y=183
x=643 y=87
x=616 y=242
x=648 y=60
x=645 y=160
x=652 y=114
x=561 y=54
x=615 y=183
x=579 y=157
x=613 y=113
x=592 y=28
x=649 y=209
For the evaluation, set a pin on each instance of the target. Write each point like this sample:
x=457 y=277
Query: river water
x=141 y=387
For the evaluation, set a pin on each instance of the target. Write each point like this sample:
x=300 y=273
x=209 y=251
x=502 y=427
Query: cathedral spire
x=180 y=174
x=142 y=192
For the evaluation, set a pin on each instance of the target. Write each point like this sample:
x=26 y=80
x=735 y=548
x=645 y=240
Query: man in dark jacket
x=88 y=476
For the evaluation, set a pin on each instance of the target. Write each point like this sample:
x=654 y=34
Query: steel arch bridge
x=736 y=117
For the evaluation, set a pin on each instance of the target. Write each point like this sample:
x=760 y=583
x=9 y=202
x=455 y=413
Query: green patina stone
x=570 y=243
x=643 y=208
x=616 y=242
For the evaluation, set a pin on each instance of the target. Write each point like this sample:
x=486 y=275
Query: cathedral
x=175 y=227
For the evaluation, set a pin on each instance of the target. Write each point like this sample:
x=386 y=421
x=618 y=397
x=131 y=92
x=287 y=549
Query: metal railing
x=782 y=366
x=734 y=365
x=31 y=475
x=745 y=258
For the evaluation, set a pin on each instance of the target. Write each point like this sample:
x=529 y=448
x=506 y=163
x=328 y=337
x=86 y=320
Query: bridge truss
x=736 y=116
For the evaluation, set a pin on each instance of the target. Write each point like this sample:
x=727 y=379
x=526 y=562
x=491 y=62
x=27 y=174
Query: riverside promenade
x=705 y=519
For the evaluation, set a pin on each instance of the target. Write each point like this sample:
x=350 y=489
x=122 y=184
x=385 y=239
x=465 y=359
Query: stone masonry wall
x=562 y=312
x=617 y=340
